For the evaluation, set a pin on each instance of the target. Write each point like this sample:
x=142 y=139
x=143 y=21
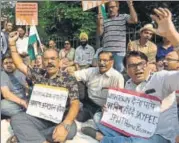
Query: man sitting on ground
x=97 y=78
x=31 y=129
x=13 y=88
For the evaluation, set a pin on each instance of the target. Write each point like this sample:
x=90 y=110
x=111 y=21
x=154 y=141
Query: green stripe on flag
x=31 y=52
x=32 y=39
x=103 y=10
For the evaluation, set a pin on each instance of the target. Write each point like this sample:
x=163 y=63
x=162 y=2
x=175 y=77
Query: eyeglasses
x=104 y=61
x=67 y=43
x=112 y=7
x=52 y=58
x=140 y=65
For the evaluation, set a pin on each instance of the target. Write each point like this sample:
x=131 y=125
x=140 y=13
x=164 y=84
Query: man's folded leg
x=27 y=128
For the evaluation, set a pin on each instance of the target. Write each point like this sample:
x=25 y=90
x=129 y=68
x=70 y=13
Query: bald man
x=171 y=61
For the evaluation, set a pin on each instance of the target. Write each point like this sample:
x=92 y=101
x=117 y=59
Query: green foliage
x=66 y=19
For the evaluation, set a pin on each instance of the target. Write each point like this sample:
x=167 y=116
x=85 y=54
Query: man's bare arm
x=133 y=15
x=15 y=55
x=8 y=95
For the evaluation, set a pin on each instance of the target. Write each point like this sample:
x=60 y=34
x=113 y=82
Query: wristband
x=66 y=126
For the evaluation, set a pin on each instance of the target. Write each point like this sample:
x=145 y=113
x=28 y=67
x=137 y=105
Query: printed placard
x=131 y=113
x=91 y=4
x=26 y=13
x=48 y=102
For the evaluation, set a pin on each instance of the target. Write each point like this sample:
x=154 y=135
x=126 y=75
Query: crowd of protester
x=139 y=66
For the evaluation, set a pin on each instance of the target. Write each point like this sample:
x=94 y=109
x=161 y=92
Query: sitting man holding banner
x=97 y=78
x=53 y=104
x=141 y=118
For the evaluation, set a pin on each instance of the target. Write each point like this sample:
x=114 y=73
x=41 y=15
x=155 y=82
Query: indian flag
x=34 y=40
x=103 y=11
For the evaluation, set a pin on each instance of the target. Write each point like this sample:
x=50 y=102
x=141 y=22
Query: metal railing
x=131 y=34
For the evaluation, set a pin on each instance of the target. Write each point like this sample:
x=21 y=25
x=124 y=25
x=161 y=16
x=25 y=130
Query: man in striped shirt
x=113 y=31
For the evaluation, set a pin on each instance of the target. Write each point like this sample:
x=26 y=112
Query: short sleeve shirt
x=15 y=82
x=62 y=79
x=84 y=56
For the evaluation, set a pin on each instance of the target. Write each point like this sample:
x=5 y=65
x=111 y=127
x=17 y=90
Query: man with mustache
x=31 y=129
x=97 y=78
x=113 y=30
x=144 y=44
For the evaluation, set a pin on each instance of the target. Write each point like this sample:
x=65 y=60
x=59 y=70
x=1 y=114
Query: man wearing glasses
x=96 y=79
x=113 y=31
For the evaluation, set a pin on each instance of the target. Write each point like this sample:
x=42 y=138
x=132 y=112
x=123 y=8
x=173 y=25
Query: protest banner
x=48 y=102
x=26 y=13
x=131 y=113
x=91 y=4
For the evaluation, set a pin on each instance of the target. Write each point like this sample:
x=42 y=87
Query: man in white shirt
x=22 y=43
x=161 y=84
x=97 y=78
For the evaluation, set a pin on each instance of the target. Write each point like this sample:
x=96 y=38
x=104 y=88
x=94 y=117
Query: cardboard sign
x=26 y=13
x=91 y=4
x=131 y=113
x=48 y=102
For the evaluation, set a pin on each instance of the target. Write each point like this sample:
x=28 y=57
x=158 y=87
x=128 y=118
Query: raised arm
x=166 y=28
x=133 y=15
x=15 y=55
x=100 y=22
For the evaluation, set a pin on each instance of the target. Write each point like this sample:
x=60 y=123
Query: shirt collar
x=146 y=44
x=146 y=80
x=109 y=73
x=86 y=47
x=54 y=76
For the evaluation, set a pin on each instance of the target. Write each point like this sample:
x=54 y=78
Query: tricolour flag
x=103 y=11
x=34 y=40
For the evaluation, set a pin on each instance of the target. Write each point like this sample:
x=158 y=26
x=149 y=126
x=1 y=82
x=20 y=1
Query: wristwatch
x=66 y=126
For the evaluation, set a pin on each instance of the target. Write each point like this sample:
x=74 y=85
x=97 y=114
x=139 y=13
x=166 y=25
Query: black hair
x=106 y=52
x=7 y=56
x=22 y=27
x=134 y=54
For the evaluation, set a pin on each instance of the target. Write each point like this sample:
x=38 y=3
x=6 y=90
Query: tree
x=65 y=19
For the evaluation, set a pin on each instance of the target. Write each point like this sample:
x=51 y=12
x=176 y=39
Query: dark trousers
x=87 y=111
x=29 y=129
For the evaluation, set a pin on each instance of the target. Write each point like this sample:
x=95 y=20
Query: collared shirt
x=149 y=49
x=114 y=35
x=162 y=52
x=62 y=79
x=22 y=45
x=95 y=82
x=165 y=85
x=84 y=56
